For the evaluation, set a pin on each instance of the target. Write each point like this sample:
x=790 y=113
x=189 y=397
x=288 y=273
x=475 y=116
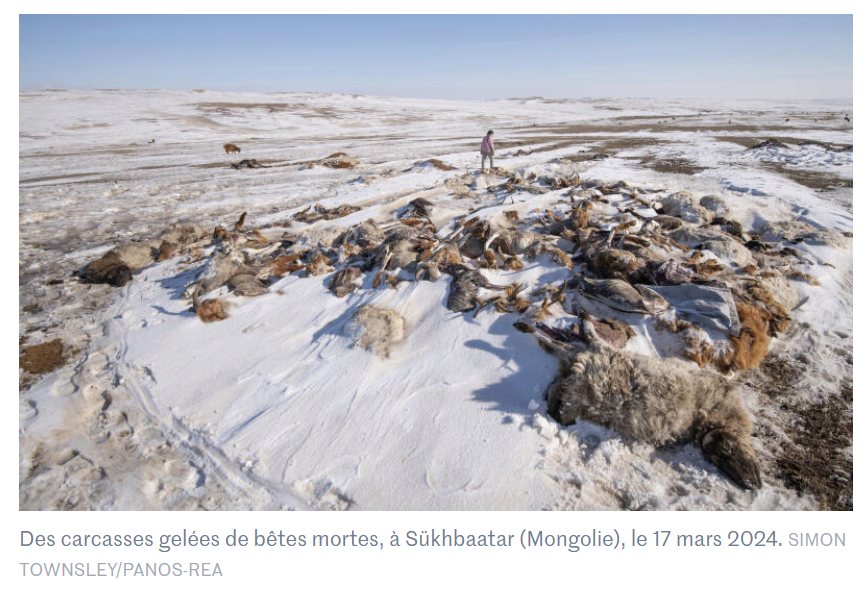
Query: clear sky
x=795 y=57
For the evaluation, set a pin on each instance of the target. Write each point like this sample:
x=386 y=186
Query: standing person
x=487 y=149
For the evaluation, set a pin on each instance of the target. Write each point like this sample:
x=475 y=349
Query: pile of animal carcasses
x=629 y=256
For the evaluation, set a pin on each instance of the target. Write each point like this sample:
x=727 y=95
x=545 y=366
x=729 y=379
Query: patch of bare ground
x=600 y=144
x=617 y=144
x=653 y=126
x=589 y=155
x=87 y=126
x=218 y=105
x=679 y=166
x=157 y=167
x=751 y=141
x=656 y=118
x=42 y=358
x=817 y=180
x=55 y=177
x=109 y=152
x=82 y=182
x=814 y=459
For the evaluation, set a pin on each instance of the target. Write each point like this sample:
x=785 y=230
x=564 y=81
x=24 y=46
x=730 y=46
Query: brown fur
x=239 y=224
x=520 y=304
x=580 y=217
x=491 y=260
x=414 y=222
x=109 y=269
x=195 y=256
x=449 y=253
x=708 y=267
x=376 y=282
x=231 y=148
x=760 y=296
x=697 y=346
x=701 y=353
x=342 y=282
x=752 y=343
x=533 y=315
x=319 y=265
x=560 y=257
x=339 y=160
x=285 y=264
x=613 y=263
x=744 y=352
x=551 y=215
x=795 y=274
x=513 y=263
x=260 y=239
x=211 y=310
x=166 y=250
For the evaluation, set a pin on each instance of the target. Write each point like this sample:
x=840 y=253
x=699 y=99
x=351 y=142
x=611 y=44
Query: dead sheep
x=730 y=250
x=210 y=310
x=319 y=264
x=685 y=206
x=343 y=281
x=714 y=204
x=377 y=329
x=367 y=235
x=117 y=265
x=465 y=287
x=225 y=262
x=797 y=231
x=652 y=400
x=247 y=284
x=109 y=269
x=326 y=239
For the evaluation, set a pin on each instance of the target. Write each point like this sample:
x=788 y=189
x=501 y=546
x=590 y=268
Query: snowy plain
x=273 y=408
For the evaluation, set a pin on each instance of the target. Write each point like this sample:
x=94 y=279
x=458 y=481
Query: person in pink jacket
x=487 y=149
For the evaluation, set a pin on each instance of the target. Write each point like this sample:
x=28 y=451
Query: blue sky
x=795 y=57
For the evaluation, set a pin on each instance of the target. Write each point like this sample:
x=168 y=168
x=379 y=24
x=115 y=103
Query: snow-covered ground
x=274 y=408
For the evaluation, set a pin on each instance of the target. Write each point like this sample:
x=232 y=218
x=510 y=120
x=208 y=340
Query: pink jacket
x=487 y=144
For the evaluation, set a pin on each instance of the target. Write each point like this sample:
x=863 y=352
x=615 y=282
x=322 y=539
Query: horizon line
x=353 y=94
